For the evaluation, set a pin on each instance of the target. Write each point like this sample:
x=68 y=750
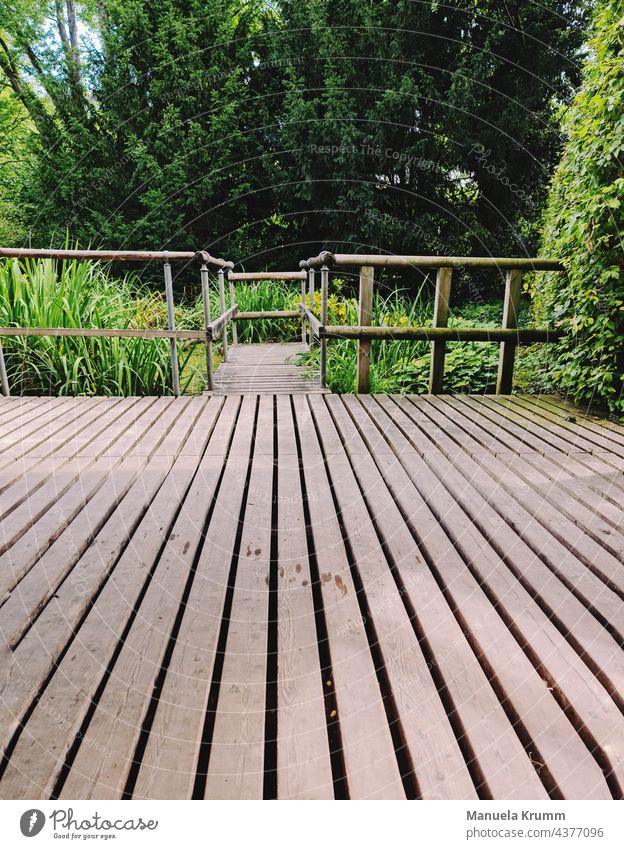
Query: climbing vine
x=584 y=226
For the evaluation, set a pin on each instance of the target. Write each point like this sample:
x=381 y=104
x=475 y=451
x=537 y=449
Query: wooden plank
x=591 y=421
x=519 y=436
x=39 y=583
x=169 y=761
x=36 y=493
x=499 y=755
x=367 y=747
x=14 y=407
x=440 y=319
x=54 y=544
x=561 y=669
x=236 y=765
x=303 y=759
x=424 y=725
x=34 y=419
x=57 y=541
x=61 y=708
x=581 y=432
x=570 y=612
x=365 y=318
x=264 y=368
x=445 y=532
x=24 y=503
x=12 y=471
x=589 y=500
x=18 y=441
x=34 y=543
x=23 y=673
x=534 y=437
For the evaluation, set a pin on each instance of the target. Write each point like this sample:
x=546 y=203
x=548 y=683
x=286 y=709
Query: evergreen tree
x=148 y=130
x=423 y=127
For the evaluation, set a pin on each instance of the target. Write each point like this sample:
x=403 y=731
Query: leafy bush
x=584 y=226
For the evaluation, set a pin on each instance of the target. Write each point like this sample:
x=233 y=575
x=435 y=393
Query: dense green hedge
x=584 y=226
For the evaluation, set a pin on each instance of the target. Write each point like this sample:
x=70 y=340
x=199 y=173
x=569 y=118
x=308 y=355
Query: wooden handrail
x=267 y=275
x=509 y=336
x=251 y=316
x=103 y=332
x=432 y=334
x=390 y=260
x=114 y=256
x=315 y=325
x=215 y=328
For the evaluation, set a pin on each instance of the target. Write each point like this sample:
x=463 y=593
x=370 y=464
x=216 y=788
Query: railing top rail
x=391 y=260
x=267 y=275
x=117 y=256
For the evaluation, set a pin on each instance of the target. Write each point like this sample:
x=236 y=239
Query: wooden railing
x=508 y=335
x=211 y=329
x=234 y=276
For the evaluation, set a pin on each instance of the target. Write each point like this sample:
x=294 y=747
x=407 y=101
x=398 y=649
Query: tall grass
x=44 y=293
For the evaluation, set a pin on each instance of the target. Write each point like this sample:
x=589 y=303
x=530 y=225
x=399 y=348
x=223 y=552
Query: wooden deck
x=310 y=597
x=260 y=368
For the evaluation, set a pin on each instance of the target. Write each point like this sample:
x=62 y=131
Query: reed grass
x=44 y=293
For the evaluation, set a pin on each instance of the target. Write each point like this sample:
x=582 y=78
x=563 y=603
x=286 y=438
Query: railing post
x=324 y=294
x=311 y=300
x=221 y=276
x=440 y=319
x=513 y=289
x=232 y=302
x=4 y=378
x=175 y=370
x=303 y=321
x=205 y=284
x=365 y=317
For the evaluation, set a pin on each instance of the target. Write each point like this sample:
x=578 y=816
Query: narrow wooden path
x=258 y=368
x=310 y=596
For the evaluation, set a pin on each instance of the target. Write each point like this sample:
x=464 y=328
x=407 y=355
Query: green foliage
x=71 y=294
x=584 y=226
x=148 y=128
x=197 y=123
x=14 y=159
x=423 y=127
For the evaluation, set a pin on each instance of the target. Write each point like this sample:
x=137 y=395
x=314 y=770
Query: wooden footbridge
x=286 y=594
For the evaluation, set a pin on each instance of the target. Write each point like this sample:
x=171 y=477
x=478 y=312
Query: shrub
x=584 y=225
